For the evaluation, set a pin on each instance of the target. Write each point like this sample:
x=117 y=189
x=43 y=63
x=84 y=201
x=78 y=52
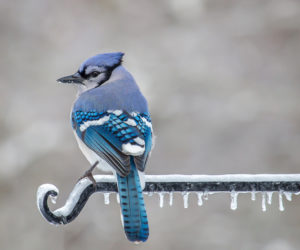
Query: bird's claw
x=88 y=174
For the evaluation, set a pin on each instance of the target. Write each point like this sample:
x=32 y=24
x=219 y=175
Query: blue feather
x=132 y=205
x=122 y=94
x=107 y=139
x=105 y=59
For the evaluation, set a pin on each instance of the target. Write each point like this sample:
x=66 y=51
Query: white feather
x=133 y=114
x=140 y=141
x=99 y=122
x=130 y=122
x=134 y=150
x=148 y=124
x=117 y=112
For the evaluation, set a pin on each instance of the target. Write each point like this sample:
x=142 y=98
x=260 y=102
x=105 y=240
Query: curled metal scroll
x=162 y=184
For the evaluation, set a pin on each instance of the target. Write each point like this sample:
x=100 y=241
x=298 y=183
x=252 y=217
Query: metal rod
x=162 y=183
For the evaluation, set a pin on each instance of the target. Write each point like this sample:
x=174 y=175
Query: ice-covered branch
x=202 y=185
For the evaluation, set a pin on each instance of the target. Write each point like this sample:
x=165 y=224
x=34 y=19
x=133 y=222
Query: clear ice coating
x=118 y=198
x=161 y=199
x=263 y=202
x=269 y=194
x=106 y=198
x=281 y=207
x=234 y=196
x=170 y=198
x=53 y=199
x=288 y=195
x=185 y=199
x=205 y=195
x=200 y=201
x=253 y=195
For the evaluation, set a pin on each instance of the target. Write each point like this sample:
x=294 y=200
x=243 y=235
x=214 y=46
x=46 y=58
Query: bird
x=112 y=125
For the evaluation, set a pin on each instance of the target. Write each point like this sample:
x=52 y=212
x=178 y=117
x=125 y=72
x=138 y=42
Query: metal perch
x=201 y=184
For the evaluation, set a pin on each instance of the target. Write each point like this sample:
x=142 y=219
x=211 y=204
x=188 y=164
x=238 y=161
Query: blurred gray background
x=222 y=81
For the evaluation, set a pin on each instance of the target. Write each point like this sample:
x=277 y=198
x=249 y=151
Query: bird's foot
x=89 y=174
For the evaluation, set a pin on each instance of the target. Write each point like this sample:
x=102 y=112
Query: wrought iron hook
x=162 y=184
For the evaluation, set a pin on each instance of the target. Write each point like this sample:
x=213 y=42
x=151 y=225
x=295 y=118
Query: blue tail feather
x=132 y=205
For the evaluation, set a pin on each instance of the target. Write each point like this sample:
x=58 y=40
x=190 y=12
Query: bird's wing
x=115 y=136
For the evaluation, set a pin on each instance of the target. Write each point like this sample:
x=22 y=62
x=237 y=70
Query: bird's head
x=94 y=71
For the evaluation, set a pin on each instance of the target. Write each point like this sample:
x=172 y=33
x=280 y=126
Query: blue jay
x=112 y=125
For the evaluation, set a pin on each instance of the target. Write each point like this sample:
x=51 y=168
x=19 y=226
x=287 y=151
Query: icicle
x=200 y=201
x=106 y=198
x=253 y=195
x=118 y=198
x=205 y=195
x=269 y=194
x=171 y=198
x=263 y=202
x=288 y=195
x=53 y=199
x=186 y=199
x=234 y=196
x=161 y=199
x=281 y=207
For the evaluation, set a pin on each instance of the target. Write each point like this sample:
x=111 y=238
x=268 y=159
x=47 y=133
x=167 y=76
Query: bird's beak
x=76 y=78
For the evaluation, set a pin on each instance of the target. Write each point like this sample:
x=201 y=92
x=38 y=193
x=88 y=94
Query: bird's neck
x=118 y=73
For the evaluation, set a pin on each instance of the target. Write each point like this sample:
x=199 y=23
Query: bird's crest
x=110 y=60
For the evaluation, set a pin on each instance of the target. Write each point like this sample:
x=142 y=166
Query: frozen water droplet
x=269 y=194
x=150 y=193
x=170 y=198
x=200 y=201
x=234 y=196
x=281 y=207
x=205 y=195
x=118 y=198
x=288 y=195
x=186 y=199
x=161 y=199
x=253 y=195
x=106 y=198
x=263 y=202
x=53 y=199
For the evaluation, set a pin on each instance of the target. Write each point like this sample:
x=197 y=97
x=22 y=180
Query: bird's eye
x=94 y=74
